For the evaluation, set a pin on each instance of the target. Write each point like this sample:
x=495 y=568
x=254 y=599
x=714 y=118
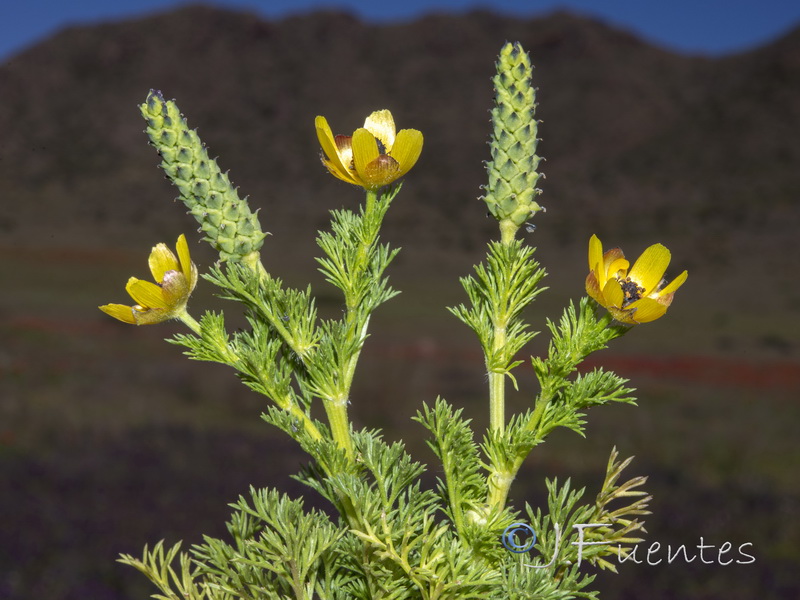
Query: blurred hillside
x=641 y=145
x=112 y=440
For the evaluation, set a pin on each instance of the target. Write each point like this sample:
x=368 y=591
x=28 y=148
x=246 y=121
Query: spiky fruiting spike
x=511 y=191
x=229 y=224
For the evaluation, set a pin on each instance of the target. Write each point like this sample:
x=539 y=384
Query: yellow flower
x=166 y=299
x=373 y=156
x=631 y=296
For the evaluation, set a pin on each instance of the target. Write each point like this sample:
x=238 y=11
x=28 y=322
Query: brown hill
x=641 y=144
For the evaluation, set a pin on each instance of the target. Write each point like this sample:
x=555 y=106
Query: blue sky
x=711 y=27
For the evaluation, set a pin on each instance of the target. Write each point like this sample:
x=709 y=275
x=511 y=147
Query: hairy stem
x=189 y=321
x=336 y=408
x=497 y=388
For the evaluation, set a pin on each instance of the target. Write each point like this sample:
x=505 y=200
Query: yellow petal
x=193 y=278
x=325 y=136
x=146 y=293
x=649 y=268
x=334 y=170
x=381 y=125
x=331 y=151
x=593 y=288
x=120 y=312
x=613 y=294
x=647 y=309
x=188 y=268
x=406 y=149
x=161 y=260
x=674 y=284
x=184 y=258
x=344 y=148
x=596 y=258
x=365 y=150
x=618 y=267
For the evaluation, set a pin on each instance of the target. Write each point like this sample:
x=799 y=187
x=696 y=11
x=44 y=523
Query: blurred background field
x=110 y=439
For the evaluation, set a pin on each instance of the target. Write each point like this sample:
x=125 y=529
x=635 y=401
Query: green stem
x=499 y=485
x=189 y=321
x=508 y=229
x=336 y=409
x=497 y=389
x=372 y=197
x=497 y=401
x=500 y=481
x=301 y=416
x=497 y=408
x=497 y=386
x=350 y=371
x=253 y=262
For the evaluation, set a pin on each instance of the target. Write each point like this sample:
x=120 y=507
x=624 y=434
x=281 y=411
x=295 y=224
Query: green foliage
x=157 y=566
x=278 y=550
x=389 y=537
x=562 y=398
x=570 y=533
x=501 y=290
x=354 y=260
x=462 y=492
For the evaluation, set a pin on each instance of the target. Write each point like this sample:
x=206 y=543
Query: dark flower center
x=632 y=290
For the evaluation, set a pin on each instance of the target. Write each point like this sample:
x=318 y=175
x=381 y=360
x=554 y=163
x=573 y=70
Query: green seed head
x=229 y=224
x=511 y=191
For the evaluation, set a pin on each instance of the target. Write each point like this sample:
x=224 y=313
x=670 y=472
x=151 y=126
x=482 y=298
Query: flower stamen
x=632 y=290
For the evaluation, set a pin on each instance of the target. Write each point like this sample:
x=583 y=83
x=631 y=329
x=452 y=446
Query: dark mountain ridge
x=639 y=142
